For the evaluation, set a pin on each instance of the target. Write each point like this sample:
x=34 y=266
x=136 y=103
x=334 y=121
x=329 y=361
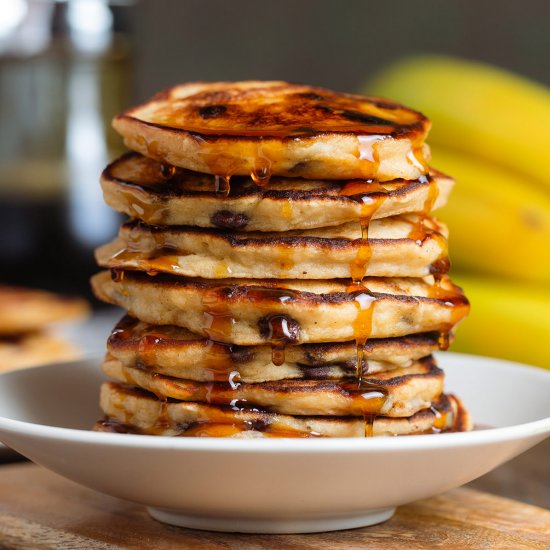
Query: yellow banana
x=507 y=320
x=477 y=109
x=499 y=224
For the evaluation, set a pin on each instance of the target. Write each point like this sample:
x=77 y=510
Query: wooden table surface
x=40 y=510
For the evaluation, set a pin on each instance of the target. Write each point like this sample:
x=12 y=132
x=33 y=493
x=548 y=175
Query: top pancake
x=276 y=128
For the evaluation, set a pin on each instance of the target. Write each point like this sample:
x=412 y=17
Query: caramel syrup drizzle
x=279 y=334
x=369 y=424
x=444 y=291
x=271 y=430
x=440 y=422
x=419 y=232
x=370 y=196
x=261 y=171
x=280 y=331
x=218 y=319
x=218 y=362
x=222 y=185
x=362 y=328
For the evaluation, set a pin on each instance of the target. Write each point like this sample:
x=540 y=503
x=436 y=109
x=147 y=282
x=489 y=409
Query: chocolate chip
x=229 y=220
x=258 y=424
x=279 y=329
x=241 y=354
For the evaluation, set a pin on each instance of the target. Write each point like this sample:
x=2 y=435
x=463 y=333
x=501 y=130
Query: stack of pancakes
x=282 y=275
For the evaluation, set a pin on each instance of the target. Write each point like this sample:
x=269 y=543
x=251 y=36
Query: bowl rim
x=309 y=446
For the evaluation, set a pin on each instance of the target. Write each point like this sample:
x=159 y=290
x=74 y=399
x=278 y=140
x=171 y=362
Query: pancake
x=175 y=351
x=251 y=312
x=276 y=128
x=400 y=392
x=139 y=187
x=130 y=410
x=24 y=310
x=32 y=349
x=404 y=246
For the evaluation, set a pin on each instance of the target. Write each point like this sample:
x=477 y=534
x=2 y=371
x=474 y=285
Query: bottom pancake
x=130 y=410
x=399 y=392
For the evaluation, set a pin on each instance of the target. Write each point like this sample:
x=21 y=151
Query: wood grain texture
x=40 y=510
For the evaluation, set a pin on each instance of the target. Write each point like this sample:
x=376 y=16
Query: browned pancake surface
x=400 y=392
x=277 y=128
x=130 y=410
x=176 y=351
x=401 y=246
x=251 y=312
x=144 y=189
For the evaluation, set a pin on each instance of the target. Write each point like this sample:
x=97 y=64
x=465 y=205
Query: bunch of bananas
x=491 y=132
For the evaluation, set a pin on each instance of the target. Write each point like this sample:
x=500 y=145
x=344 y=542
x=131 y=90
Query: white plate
x=272 y=486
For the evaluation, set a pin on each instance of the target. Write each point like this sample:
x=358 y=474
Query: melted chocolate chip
x=258 y=425
x=279 y=329
x=241 y=354
x=229 y=220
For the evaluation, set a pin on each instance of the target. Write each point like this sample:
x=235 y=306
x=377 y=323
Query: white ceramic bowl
x=272 y=486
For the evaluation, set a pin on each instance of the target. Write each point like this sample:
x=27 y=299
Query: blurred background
x=67 y=67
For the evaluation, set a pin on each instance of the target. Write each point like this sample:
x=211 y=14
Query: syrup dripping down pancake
x=277 y=128
x=400 y=392
x=252 y=312
x=404 y=246
x=130 y=410
x=142 y=188
x=177 y=352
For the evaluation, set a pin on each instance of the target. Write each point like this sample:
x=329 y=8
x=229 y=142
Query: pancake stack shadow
x=281 y=270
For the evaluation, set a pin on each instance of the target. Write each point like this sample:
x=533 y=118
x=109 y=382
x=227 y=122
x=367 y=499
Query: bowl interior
x=66 y=395
x=497 y=393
